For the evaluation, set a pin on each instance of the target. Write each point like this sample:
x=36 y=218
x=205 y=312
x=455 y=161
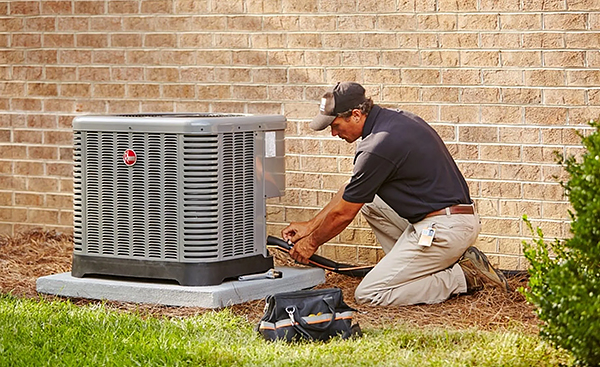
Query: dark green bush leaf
x=565 y=275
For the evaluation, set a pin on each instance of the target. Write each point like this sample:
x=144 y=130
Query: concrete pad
x=214 y=296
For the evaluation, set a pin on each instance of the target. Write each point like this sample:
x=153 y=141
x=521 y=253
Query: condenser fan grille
x=130 y=211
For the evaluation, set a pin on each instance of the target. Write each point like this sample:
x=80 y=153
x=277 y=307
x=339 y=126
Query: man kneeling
x=412 y=194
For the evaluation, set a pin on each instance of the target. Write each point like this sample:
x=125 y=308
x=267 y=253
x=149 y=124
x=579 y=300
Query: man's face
x=349 y=128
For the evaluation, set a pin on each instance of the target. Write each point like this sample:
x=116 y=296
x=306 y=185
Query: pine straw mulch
x=27 y=256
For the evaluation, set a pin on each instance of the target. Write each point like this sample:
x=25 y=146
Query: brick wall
x=504 y=82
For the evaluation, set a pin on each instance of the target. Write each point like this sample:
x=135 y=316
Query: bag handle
x=301 y=325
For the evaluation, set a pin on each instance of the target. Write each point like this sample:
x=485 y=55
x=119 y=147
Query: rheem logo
x=129 y=157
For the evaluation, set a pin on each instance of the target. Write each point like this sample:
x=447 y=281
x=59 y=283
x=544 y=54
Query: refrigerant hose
x=321 y=262
x=352 y=270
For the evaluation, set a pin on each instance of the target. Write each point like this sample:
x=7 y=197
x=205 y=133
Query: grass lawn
x=58 y=333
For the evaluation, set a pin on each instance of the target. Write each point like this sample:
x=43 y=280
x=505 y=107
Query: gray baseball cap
x=343 y=97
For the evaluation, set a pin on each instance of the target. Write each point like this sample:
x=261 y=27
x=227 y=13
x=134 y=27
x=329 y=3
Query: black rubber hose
x=321 y=262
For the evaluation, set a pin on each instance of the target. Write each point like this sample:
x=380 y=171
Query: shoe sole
x=476 y=257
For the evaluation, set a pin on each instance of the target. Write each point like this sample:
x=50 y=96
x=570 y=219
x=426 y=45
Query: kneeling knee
x=363 y=295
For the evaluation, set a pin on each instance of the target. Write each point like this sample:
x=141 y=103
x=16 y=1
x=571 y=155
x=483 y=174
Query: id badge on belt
x=427 y=235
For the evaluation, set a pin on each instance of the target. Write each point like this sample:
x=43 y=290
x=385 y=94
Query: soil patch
x=28 y=256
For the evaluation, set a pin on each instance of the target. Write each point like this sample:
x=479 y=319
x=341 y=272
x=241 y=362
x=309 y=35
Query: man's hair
x=364 y=107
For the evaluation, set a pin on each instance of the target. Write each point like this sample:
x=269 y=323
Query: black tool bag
x=312 y=315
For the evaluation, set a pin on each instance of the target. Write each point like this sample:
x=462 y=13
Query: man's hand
x=295 y=232
x=303 y=250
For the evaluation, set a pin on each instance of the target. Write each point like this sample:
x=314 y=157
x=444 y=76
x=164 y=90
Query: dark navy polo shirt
x=404 y=161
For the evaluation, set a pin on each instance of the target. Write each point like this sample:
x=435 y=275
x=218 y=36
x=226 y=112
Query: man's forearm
x=333 y=224
x=329 y=223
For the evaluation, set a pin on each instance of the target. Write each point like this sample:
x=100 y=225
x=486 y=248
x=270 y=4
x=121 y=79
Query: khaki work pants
x=410 y=273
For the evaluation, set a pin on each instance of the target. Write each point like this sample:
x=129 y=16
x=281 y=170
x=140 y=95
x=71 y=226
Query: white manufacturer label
x=270 y=145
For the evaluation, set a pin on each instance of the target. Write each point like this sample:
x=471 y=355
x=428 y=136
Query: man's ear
x=356 y=114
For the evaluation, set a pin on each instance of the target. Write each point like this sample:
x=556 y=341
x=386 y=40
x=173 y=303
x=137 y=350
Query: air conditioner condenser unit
x=175 y=196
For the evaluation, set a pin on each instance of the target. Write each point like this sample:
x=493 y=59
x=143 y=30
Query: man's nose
x=333 y=132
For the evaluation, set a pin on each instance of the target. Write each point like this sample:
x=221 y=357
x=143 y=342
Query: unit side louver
x=77 y=194
x=238 y=193
x=201 y=196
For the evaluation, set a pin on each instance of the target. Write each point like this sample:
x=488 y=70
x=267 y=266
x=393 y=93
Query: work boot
x=479 y=272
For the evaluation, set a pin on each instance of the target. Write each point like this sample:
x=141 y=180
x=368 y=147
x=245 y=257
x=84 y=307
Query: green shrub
x=565 y=275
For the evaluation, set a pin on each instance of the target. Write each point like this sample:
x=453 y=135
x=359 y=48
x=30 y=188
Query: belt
x=454 y=209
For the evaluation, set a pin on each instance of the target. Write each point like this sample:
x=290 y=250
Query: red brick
x=57 y=7
x=162 y=74
x=75 y=90
x=29 y=199
x=583 y=77
x=6 y=198
x=59 y=201
x=462 y=114
x=108 y=57
x=59 y=169
x=42 y=216
x=179 y=91
x=142 y=57
x=61 y=105
x=5 y=135
x=12 y=57
x=127 y=73
x=565 y=21
x=545 y=116
x=13 y=183
x=198 y=40
x=91 y=40
x=42 y=56
x=500 y=40
x=123 y=106
x=478 y=21
x=143 y=90
x=24 y=7
x=125 y=40
x=436 y=58
x=65 y=154
x=88 y=106
x=123 y=7
x=89 y=7
x=12 y=89
x=364 y=58
x=58 y=40
x=72 y=23
x=61 y=73
x=39 y=184
x=198 y=7
x=66 y=185
x=193 y=106
x=94 y=73
x=13 y=215
x=13 y=151
x=58 y=137
x=160 y=40
x=65 y=218
x=102 y=90
x=6 y=167
x=39 y=24
x=27 y=40
x=158 y=106
x=521 y=22
x=27 y=136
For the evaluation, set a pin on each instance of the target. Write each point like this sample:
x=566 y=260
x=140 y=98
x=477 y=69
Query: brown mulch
x=27 y=256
